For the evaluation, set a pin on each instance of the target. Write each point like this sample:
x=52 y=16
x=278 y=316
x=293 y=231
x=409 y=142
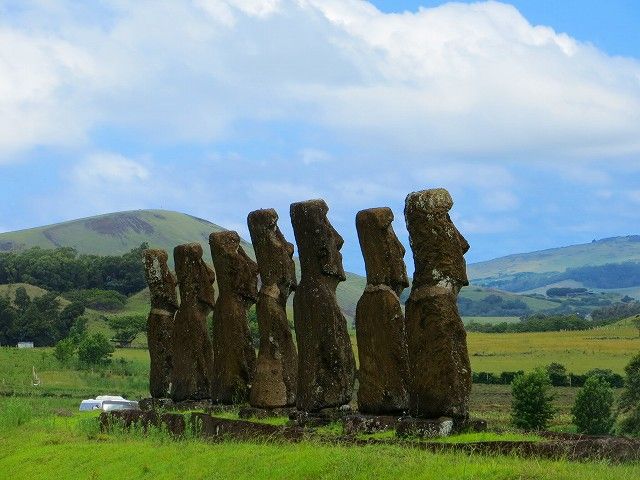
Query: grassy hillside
x=600 y=252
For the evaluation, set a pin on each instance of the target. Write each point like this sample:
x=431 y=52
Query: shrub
x=630 y=399
x=557 y=374
x=95 y=350
x=65 y=349
x=126 y=328
x=104 y=300
x=531 y=406
x=592 y=410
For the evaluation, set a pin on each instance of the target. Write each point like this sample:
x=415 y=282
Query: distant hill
x=607 y=264
x=118 y=233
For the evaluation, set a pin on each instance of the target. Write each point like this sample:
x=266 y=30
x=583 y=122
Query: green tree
x=531 y=406
x=557 y=374
x=68 y=317
x=22 y=299
x=636 y=323
x=592 y=410
x=126 y=328
x=630 y=399
x=95 y=350
x=65 y=349
x=8 y=315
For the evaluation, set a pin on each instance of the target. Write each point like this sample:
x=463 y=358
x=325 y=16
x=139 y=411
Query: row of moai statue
x=414 y=362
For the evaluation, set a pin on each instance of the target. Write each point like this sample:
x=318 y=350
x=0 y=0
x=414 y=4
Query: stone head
x=237 y=273
x=162 y=283
x=273 y=252
x=383 y=253
x=195 y=277
x=318 y=242
x=438 y=247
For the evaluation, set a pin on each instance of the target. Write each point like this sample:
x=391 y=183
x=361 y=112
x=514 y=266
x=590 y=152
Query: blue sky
x=528 y=112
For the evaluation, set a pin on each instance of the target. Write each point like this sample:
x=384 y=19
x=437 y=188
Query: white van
x=108 y=403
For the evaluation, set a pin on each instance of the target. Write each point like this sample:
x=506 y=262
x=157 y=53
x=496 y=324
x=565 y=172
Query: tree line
x=64 y=270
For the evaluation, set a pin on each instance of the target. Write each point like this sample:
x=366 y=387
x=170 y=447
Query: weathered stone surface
x=424 y=428
x=234 y=356
x=326 y=366
x=206 y=426
x=438 y=356
x=274 y=384
x=192 y=354
x=357 y=424
x=254 y=412
x=380 y=328
x=164 y=303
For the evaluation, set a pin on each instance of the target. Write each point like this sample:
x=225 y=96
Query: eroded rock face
x=234 y=356
x=380 y=327
x=326 y=366
x=274 y=384
x=192 y=354
x=164 y=303
x=438 y=356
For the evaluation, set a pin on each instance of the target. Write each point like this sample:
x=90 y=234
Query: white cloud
x=484 y=225
x=456 y=79
x=310 y=156
x=500 y=201
x=109 y=168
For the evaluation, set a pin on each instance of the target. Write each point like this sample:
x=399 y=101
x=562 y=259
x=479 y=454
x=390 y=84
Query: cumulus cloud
x=109 y=168
x=459 y=78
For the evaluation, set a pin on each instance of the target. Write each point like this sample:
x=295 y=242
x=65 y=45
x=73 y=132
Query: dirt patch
x=119 y=224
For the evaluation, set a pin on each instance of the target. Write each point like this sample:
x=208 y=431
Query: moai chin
x=164 y=303
x=274 y=384
x=438 y=356
x=380 y=328
x=192 y=354
x=234 y=356
x=326 y=366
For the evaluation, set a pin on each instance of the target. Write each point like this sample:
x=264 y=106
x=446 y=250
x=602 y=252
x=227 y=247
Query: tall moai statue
x=234 y=356
x=164 y=303
x=438 y=356
x=380 y=327
x=192 y=354
x=326 y=366
x=274 y=384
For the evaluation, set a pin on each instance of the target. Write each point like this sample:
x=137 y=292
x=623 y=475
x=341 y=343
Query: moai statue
x=192 y=354
x=276 y=375
x=326 y=366
x=380 y=328
x=438 y=356
x=234 y=356
x=164 y=303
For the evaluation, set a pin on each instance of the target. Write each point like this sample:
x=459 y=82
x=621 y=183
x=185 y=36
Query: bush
x=630 y=399
x=531 y=406
x=65 y=349
x=592 y=410
x=95 y=349
x=104 y=300
x=557 y=374
x=126 y=328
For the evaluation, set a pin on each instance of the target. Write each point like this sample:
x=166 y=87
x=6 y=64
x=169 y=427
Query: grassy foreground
x=42 y=438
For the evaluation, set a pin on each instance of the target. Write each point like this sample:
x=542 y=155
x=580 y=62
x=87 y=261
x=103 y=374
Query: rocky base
x=151 y=404
x=253 y=412
x=359 y=423
x=320 y=418
x=424 y=428
x=438 y=427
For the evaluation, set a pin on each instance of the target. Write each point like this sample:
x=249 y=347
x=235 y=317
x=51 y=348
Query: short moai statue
x=192 y=354
x=164 y=303
x=326 y=365
x=437 y=342
x=274 y=384
x=380 y=327
x=233 y=352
